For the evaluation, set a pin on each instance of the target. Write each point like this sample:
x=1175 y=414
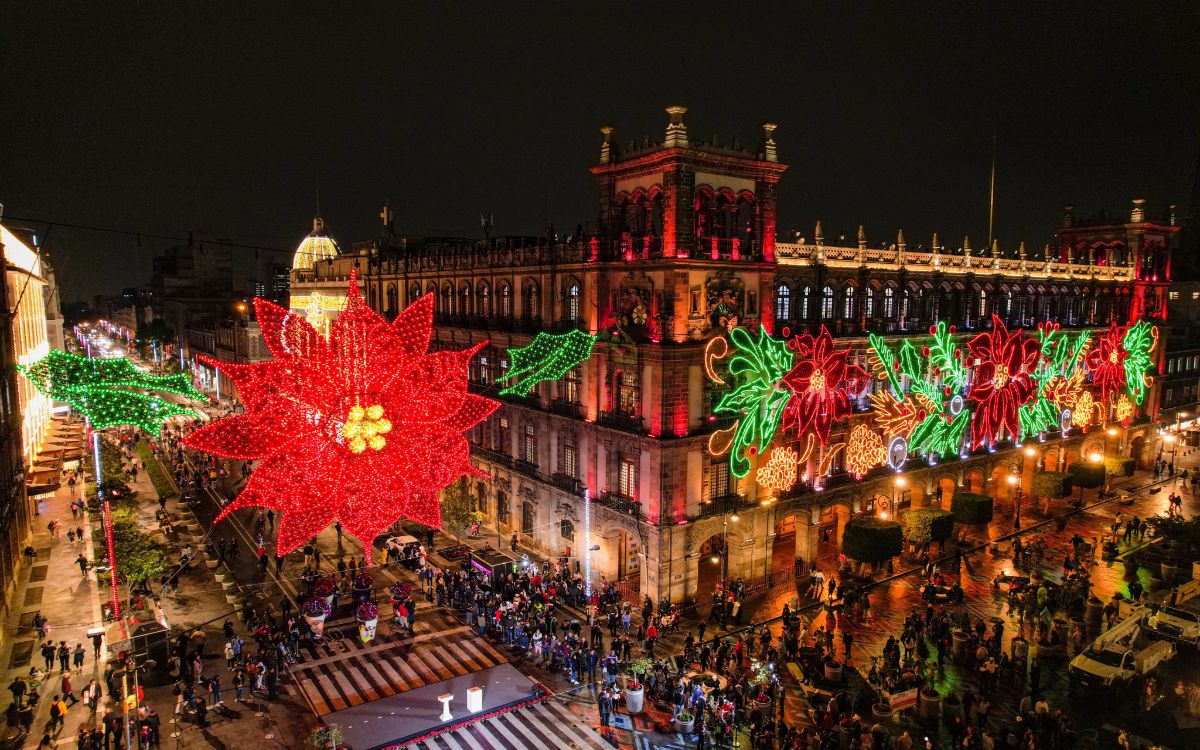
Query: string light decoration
x=1058 y=374
x=111 y=392
x=410 y=408
x=1125 y=409
x=1085 y=410
x=1106 y=362
x=759 y=397
x=917 y=412
x=548 y=357
x=1139 y=343
x=865 y=450
x=779 y=473
x=1003 y=381
x=821 y=384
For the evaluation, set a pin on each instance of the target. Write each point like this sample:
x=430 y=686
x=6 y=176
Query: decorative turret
x=1046 y=259
x=900 y=246
x=677 y=135
x=937 y=252
x=818 y=235
x=862 y=245
x=1137 y=213
x=1069 y=216
x=606 y=148
x=768 y=151
x=967 y=251
x=995 y=253
x=1021 y=254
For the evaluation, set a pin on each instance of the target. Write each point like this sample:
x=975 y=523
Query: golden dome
x=316 y=247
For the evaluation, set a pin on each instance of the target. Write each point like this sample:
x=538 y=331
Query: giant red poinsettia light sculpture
x=1107 y=363
x=1002 y=381
x=364 y=426
x=821 y=383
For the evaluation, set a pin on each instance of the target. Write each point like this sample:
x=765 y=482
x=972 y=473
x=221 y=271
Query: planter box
x=633 y=700
x=684 y=727
x=228 y=583
x=212 y=564
x=219 y=576
x=882 y=712
x=1169 y=571
x=833 y=672
x=929 y=706
x=230 y=598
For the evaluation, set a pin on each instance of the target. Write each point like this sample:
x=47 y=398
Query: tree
x=925 y=525
x=971 y=508
x=872 y=540
x=458 y=509
x=156 y=330
x=1050 y=484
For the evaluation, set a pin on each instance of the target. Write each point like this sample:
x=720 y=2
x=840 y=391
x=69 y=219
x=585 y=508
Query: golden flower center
x=1001 y=377
x=1112 y=357
x=816 y=381
x=365 y=428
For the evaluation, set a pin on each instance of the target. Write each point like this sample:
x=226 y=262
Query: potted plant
x=635 y=693
x=325 y=737
x=833 y=671
x=315 y=610
x=220 y=573
x=929 y=703
x=367 y=615
x=882 y=711
x=684 y=722
x=239 y=605
x=872 y=540
x=323 y=588
x=361 y=589
x=232 y=594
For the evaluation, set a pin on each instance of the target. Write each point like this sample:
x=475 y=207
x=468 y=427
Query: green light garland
x=106 y=391
x=1139 y=343
x=1060 y=357
x=946 y=417
x=759 y=396
x=548 y=357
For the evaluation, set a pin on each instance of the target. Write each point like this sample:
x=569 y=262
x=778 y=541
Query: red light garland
x=1002 y=383
x=365 y=426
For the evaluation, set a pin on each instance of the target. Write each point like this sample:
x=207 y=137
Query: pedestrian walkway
x=547 y=725
x=341 y=671
x=70 y=601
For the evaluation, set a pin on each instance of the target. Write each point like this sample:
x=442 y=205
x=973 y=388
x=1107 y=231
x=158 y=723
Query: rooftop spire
x=677 y=135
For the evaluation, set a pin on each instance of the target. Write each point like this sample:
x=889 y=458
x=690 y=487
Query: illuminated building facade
x=683 y=254
x=25 y=277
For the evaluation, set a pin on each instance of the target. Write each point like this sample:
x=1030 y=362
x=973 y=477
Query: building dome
x=316 y=247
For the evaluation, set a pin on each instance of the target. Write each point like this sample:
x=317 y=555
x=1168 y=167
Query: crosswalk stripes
x=547 y=725
x=344 y=672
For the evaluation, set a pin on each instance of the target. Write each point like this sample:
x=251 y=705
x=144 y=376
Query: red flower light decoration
x=1106 y=361
x=820 y=383
x=1002 y=383
x=365 y=426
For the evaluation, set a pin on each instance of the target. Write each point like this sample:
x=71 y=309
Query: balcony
x=721 y=505
x=620 y=503
x=568 y=483
x=490 y=455
x=527 y=468
x=620 y=421
x=566 y=409
x=532 y=401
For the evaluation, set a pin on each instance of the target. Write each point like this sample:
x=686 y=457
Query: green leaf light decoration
x=759 y=395
x=109 y=392
x=1060 y=357
x=1139 y=343
x=548 y=357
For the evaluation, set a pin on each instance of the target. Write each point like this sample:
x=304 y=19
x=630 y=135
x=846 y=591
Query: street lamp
x=1172 y=441
x=901 y=483
x=1014 y=481
x=723 y=558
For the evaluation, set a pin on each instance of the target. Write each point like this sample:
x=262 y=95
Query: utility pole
x=992 y=194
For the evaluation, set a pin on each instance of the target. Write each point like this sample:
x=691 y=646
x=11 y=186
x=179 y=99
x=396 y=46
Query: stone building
x=683 y=252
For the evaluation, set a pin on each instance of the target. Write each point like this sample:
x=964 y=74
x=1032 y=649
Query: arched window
x=414 y=292
x=464 y=299
x=392 y=307
x=627 y=394
x=870 y=302
x=805 y=302
x=783 y=302
x=530 y=306
x=982 y=304
x=505 y=301
x=447 y=301
x=572 y=302
x=566 y=530
x=503 y=512
x=848 y=303
x=483 y=300
x=889 y=303
x=827 y=303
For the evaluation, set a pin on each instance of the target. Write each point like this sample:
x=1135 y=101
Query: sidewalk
x=71 y=604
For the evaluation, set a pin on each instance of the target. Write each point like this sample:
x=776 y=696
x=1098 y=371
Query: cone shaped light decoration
x=364 y=426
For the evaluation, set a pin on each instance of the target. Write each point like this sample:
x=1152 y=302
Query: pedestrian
x=18 y=689
x=239 y=684
x=201 y=714
x=71 y=535
x=77 y=657
x=82 y=562
x=64 y=656
x=48 y=655
x=39 y=624
x=214 y=689
x=91 y=695
x=229 y=654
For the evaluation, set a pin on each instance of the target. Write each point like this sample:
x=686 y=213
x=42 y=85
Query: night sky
x=165 y=117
